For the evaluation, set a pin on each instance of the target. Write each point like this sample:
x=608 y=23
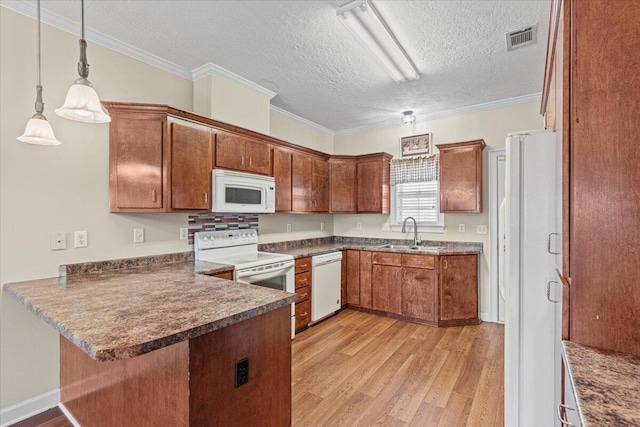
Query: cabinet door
x=461 y=177
x=386 y=289
x=301 y=183
x=191 y=164
x=419 y=293
x=137 y=170
x=458 y=287
x=369 y=187
x=229 y=151
x=320 y=186
x=353 y=277
x=282 y=175
x=343 y=186
x=365 y=279
x=257 y=157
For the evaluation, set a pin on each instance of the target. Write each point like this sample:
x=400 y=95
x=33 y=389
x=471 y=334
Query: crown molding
x=302 y=120
x=534 y=97
x=210 y=68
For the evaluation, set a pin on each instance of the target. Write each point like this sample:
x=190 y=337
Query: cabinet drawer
x=303 y=279
x=418 y=261
x=303 y=294
x=303 y=264
x=228 y=275
x=303 y=314
x=387 y=258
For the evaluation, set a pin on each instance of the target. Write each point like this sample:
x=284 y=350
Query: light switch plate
x=481 y=229
x=58 y=241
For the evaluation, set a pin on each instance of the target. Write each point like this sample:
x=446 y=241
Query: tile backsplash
x=216 y=222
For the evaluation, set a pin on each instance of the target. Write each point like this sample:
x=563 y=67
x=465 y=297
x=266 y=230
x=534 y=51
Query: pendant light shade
x=82 y=103
x=38 y=130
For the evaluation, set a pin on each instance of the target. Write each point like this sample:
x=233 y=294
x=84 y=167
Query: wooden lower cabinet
x=353 y=278
x=386 y=291
x=458 y=287
x=419 y=290
x=303 y=315
x=303 y=289
x=365 y=279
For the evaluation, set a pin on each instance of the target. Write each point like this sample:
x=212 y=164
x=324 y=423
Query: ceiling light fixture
x=82 y=103
x=408 y=117
x=364 y=21
x=38 y=130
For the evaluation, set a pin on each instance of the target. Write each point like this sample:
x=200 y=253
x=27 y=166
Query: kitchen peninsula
x=157 y=340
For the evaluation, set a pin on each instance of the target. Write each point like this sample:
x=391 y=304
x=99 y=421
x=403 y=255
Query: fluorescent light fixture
x=364 y=21
x=408 y=117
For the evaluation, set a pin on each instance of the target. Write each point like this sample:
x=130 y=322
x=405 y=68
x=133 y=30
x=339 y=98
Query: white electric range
x=239 y=248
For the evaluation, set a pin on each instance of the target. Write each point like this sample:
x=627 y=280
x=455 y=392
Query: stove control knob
x=205 y=238
x=244 y=235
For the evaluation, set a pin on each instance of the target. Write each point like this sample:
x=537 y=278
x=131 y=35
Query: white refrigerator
x=533 y=309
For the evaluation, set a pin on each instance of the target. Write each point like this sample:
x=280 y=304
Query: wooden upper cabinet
x=320 y=186
x=138 y=152
x=373 y=183
x=343 y=185
x=461 y=177
x=282 y=173
x=310 y=184
x=191 y=163
x=458 y=287
x=243 y=154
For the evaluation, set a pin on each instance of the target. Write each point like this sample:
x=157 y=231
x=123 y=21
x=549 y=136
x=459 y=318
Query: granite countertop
x=125 y=312
x=606 y=384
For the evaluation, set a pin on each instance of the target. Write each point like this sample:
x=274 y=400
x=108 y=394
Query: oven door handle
x=254 y=276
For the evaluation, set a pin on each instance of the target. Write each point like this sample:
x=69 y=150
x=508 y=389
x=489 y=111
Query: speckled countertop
x=122 y=313
x=606 y=384
x=311 y=247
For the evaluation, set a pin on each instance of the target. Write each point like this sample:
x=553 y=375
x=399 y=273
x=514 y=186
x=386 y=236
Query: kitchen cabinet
x=343 y=184
x=461 y=177
x=386 y=291
x=458 y=287
x=353 y=278
x=242 y=154
x=282 y=170
x=365 y=279
x=373 y=191
x=228 y=275
x=419 y=287
x=302 y=271
x=191 y=163
x=310 y=184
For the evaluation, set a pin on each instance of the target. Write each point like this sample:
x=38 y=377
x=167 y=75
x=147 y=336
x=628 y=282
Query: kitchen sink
x=412 y=248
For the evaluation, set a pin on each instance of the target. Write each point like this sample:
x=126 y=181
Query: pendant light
x=38 y=130
x=82 y=103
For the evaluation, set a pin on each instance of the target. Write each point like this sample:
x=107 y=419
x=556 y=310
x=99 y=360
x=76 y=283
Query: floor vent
x=522 y=38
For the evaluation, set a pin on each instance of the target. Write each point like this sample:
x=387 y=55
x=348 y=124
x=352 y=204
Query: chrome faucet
x=415 y=229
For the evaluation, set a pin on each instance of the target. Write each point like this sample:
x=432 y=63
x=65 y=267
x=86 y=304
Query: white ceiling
x=320 y=72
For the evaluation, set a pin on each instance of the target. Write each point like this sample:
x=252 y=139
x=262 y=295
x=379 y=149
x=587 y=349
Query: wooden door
x=458 y=287
x=419 y=293
x=282 y=175
x=301 y=183
x=369 y=187
x=353 y=277
x=365 y=279
x=461 y=177
x=386 y=289
x=191 y=164
x=137 y=169
x=343 y=186
x=230 y=151
x=257 y=157
x=320 y=186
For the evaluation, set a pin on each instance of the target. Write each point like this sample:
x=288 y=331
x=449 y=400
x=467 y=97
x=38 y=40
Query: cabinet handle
x=154 y=196
x=562 y=409
x=303 y=280
x=205 y=197
x=549 y=291
x=445 y=264
x=549 y=244
x=303 y=314
x=242 y=161
x=397 y=275
x=304 y=295
x=250 y=161
x=304 y=265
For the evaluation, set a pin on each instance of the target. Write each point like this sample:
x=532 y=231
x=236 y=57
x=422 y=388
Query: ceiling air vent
x=521 y=38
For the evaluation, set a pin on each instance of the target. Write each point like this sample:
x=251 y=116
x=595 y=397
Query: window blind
x=418 y=200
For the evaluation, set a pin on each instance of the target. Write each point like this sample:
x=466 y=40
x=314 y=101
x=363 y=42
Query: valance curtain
x=415 y=169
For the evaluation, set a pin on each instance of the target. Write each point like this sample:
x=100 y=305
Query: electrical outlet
x=288 y=228
x=138 y=235
x=386 y=226
x=184 y=233
x=321 y=225
x=481 y=229
x=58 y=241
x=358 y=226
x=462 y=228
x=242 y=372
x=80 y=238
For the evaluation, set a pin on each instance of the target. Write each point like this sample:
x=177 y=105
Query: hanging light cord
x=83 y=65
x=39 y=103
x=82 y=7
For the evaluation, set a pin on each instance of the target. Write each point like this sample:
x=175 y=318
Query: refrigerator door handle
x=549 y=291
x=549 y=244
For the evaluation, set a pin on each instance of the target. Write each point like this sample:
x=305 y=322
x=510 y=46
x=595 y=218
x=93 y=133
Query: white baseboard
x=28 y=408
x=67 y=414
x=485 y=317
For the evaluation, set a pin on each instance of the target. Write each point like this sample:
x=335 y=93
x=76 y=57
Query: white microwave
x=238 y=192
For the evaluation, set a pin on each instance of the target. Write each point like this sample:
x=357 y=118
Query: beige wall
x=65 y=188
x=298 y=133
x=490 y=125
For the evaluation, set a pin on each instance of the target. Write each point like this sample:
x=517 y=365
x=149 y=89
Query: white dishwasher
x=325 y=285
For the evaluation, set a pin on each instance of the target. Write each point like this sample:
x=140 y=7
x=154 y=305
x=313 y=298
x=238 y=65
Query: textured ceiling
x=320 y=72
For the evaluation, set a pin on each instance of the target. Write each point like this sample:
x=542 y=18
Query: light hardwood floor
x=358 y=369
